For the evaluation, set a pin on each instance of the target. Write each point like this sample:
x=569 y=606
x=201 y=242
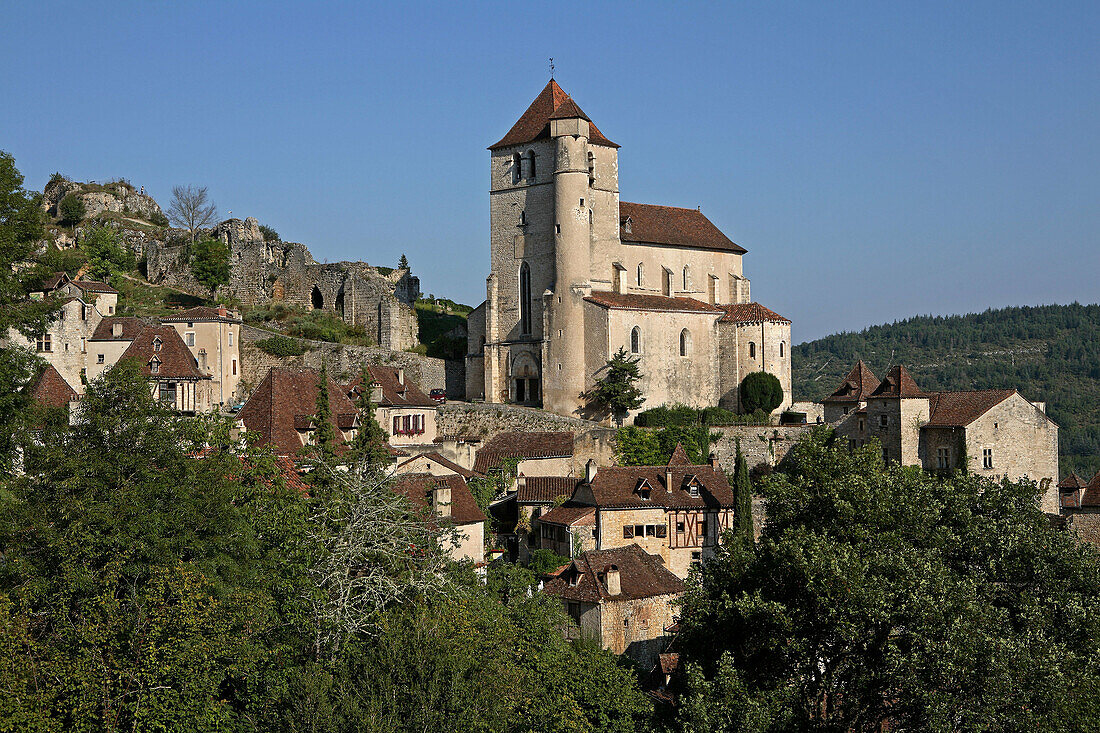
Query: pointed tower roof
x=552 y=103
x=679 y=456
x=1073 y=481
x=857 y=386
x=898 y=383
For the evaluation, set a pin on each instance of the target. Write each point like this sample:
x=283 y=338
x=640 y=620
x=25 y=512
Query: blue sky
x=877 y=160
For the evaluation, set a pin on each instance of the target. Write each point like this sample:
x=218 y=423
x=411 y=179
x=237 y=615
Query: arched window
x=752 y=350
x=525 y=298
x=636 y=340
x=517 y=162
x=687 y=278
x=685 y=342
x=641 y=275
x=666 y=285
x=780 y=349
x=531 y=164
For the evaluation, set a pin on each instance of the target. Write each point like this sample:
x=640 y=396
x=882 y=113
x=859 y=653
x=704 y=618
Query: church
x=576 y=274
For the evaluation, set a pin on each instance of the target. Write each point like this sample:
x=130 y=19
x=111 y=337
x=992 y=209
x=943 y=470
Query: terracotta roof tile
x=1091 y=495
x=959 y=409
x=173 y=358
x=445 y=462
x=679 y=456
x=534 y=124
x=1073 y=481
x=661 y=303
x=94 y=286
x=418 y=488
x=285 y=397
x=544 y=489
x=394 y=393
x=618 y=486
x=523 y=445
x=671 y=225
x=750 y=313
x=51 y=390
x=130 y=328
x=54 y=280
x=857 y=386
x=898 y=383
x=641 y=575
x=202 y=313
x=569 y=516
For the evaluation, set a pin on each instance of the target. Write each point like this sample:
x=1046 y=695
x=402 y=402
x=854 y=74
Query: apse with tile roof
x=576 y=274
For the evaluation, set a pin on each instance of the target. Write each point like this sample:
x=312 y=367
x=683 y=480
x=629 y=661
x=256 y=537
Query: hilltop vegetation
x=1050 y=353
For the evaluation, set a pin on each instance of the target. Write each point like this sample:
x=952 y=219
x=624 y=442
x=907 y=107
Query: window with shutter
x=662 y=530
x=628 y=532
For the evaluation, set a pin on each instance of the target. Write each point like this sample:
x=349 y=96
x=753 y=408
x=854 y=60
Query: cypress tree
x=369 y=445
x=324 y=433
x=742 y=491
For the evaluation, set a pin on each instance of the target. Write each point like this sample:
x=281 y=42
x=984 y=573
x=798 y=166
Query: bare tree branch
x=190 y=210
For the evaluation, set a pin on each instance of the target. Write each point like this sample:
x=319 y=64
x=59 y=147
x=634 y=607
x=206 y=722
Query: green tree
x=403 y=263
x=71 y=209
x=269 y=234
x=107 y=253
x=371 y=443
x=616 y=390
x=210 y=264
x=742 y=491
x=760 y=391
x=324 y=432
x=884 y=597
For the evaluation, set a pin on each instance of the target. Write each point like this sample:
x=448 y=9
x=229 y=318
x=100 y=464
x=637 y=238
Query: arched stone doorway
x=316 y=299
x=525 y=387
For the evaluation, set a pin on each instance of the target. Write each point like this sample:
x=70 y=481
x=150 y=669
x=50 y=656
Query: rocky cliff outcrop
x=118 y=197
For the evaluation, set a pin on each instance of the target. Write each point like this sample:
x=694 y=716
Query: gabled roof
x=418 y=488
x=285 y=396
x=545 y=489
x=857 y=386
x=94 y=286
x=54 y=280
x=202 y=313
x=51 y=390
x=1091 y=496
x=657 y=303
x=131 y=326
x=446 y=463
x=750 y=313
x=1073 y=481
x=394 y=392
x=614 y=487
x=174 y=358
x=523 y=445
x=534 y=124
x=898 y=383
x=570 y=516
x=959 y=409
x=679 y=456
x=671 y=225
x=641 y=575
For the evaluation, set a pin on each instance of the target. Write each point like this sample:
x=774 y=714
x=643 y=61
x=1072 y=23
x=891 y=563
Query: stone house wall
x=1084 y=522
x=68 y=346
x=636 y=628
x=760 y=444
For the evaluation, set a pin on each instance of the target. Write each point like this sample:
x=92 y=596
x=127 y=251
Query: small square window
x=883 y=421
x=99 y=359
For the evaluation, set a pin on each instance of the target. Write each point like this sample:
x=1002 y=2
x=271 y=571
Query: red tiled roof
x=394 y=393
x=54 y=280
x=523 y=445
x=679 y=456
x=959 y=409
x=617 y=486
x=1091 y=495
x=534 y=124
x=672 y=225
x=284 y=397
x=202 y=313
x=1073 y=481
x=639 y=302
x=544 y=489
x=94 y=286
x=569 y=516
x=418 y=488
x=750 y=313
x=641 y=575
x=668 y=662
x=51 y=390
x=130 y=328
x=898 y=383
x=857 y=386
x=446 y=463
x=175 y=360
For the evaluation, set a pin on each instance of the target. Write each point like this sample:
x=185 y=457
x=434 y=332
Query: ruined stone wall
x=760 y=444
x=343 y=361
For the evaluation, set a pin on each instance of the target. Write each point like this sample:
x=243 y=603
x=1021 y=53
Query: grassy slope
x=1049 y=353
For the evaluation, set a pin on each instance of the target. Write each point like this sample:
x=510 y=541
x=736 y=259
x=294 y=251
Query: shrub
x=270 y=235
x=684 y=416
x=71 y=209
x=57 y=178
x=761 y=391
x=282 y=346
x=159 y=219
x=544 y=562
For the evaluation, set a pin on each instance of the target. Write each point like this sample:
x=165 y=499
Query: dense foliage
x=1050 y=353
x=70 y=209
x=639 y=447
x=210 y=263
x=616 y=391
x=761 y=391
x=107 y=253
x=282 y=346
x=883 y=598
x=269 y=233
x=685 y=415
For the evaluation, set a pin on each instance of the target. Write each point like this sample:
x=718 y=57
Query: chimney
x=116 y=329
x=221 y=311
x=611 y=574
x=714 y=461
x=401 y=377
x=376 y=393
x=521 y=482
x=441 y=498
x=590 y=470
x=668 y=479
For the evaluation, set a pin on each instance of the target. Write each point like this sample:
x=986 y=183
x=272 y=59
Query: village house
x=213 y=336
x=50 y=390
x=1080 y=506
x=401 y=407
x=997 y=432
x=435 y=464
x=449 y=499
x=109 y=340
x=677 y=512
x=173 y=375
x=537 y=453
x=1071 y=491
x=624 y=598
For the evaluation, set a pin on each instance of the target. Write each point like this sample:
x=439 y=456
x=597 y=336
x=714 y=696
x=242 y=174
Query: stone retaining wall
x=760 y=444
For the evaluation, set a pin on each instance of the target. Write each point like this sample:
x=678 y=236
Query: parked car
x=439 y=395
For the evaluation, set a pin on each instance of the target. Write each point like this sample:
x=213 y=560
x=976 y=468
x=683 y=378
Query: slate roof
x=130 y=328
x=94 y=286
x=394 y=394
x=1073 y=481
x=617 y=487
x=176 y=360
x=641 y=575
x=202 y=313
x=51 y=390
x=286 y=396
x=750 y=313
x=640 y=302
x=857 y=386
x=898 y=383
x=569 y=516
x=534 y=124
x=671 y=225
x=523 y=445
x=418 y=488
x=544 y=489
x=959 y=409
x=445 y=462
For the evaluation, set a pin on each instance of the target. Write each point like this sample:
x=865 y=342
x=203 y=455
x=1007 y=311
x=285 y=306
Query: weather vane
x=551 y=67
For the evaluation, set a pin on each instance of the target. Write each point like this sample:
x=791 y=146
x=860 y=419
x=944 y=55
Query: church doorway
x=525 y=381
x=316 y=299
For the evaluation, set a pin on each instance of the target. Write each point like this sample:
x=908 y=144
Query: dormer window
x=156 y=343
x=154 y=366
x=692 y=485
x=628 y=225
x=644 y=489
x=574 y=577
